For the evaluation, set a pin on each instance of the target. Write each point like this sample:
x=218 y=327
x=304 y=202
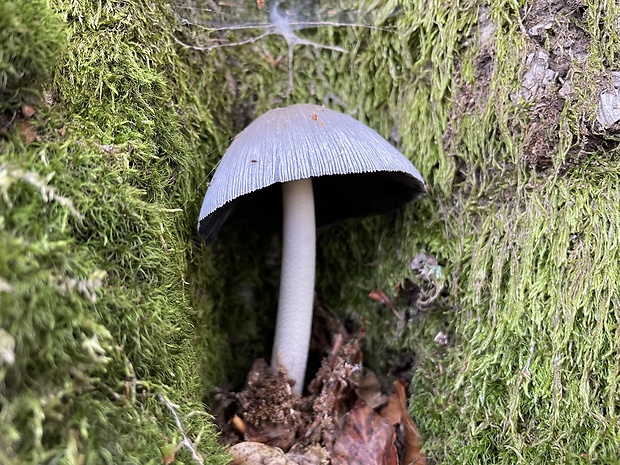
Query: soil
x=268 y=412
x=345 y=415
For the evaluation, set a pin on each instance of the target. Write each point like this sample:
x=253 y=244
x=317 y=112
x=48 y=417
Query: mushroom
x=308 y=166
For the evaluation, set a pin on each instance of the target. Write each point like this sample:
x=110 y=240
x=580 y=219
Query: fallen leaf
x=280 y=436
x=27 y=132
x=413 y=441
x=369 y=389
x=255 y=453
x=27 y=111
x=392 y=411
x=365 y=439
x=379 y=295
x=260 y=4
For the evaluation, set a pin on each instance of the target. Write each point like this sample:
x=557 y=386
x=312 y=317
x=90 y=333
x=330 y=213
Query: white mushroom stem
x=294 y=323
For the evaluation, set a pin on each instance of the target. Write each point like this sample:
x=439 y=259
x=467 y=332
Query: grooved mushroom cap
x=355 y=171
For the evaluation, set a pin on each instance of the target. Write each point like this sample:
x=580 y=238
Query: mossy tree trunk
x=115 y=323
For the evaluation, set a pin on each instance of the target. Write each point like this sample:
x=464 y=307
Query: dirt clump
x=345 y=415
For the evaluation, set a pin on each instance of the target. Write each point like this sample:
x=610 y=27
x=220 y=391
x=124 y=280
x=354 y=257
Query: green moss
x=530 y=374
x=111 y=307
x=534 y=369
x=31 y=38
x=95 y=245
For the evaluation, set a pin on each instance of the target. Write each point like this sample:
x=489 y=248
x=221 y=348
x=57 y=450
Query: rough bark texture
x=115 y=322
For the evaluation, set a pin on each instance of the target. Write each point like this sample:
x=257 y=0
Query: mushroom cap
x=355 y=171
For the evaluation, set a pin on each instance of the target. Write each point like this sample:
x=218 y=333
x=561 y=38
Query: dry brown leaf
x=255 y=453
x=27 y=132
x=27 y=111
x=369 y=389
x=392 y=411
x=365 y=439
x=413 y=441
x=379 y=295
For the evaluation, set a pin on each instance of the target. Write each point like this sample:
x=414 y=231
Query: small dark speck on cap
x=314 y=116
x=254 y=161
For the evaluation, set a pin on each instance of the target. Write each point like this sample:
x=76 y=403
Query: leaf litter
x=345 y=417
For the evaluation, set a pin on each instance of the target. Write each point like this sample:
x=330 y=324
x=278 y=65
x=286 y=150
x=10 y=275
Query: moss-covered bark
x=111 y=310
x=97 y=326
